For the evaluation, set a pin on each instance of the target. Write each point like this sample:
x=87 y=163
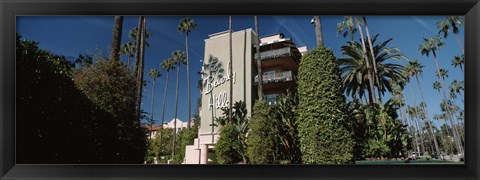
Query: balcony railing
x=277 y=77
x=276 y=53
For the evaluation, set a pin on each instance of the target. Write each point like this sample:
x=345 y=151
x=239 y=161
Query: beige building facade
x=280 y=58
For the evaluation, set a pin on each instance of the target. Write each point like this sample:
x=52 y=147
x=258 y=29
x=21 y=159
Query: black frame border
x=10 y=9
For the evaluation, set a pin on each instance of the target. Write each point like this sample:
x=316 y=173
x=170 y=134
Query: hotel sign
x=220 y=100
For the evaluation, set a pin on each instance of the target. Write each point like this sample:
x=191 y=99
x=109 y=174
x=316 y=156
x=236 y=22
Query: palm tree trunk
x=141 y=54
x=230 y=102
x=418 y=119
x=460 y=43
x=417 y=147
x=116 y=38
x=259 y=63
x=455 y=131
x=369 y=73
x=176 y=111
x=153 y=104
x=137 y=47
x=188 y=82
x=163 y=111
x=375 y=74
x=448 y=134
x=318 y=31
x=418 y=125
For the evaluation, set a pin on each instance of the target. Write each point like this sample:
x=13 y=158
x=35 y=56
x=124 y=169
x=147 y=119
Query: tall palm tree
x=414 y=68
x=437 y=86
x=370 y=45
x=154 y=74
x=167 y=65
x=185 y=26
x=442 y=73
x=355 y=71
x=259 y=61
x=365 y=57
x=412 y=112
x=116 y=38
x=458 y=61
x=412 y=123
x=457 y=88
x=318 y=31
x=129 y=50
x=139 y=62
x=453 y=22
x=179 y=58
x=433 y=45
x=439 y=117
x=349 y=24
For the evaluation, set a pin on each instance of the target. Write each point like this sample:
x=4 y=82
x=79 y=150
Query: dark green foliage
x=378 y=132
x=234 y=144
x=161 y=145
x=376 y=148
x=61 y=124
x=263 y=142
x=285 y=113
x=358 y=125
x=322 y=120
x=56 y=122
x=108 y=84
x=187 y=136
x=225 y=147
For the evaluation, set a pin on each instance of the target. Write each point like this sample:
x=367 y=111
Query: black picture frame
x=10 y=9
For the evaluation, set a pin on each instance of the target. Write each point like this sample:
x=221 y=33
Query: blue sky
x=74 y=35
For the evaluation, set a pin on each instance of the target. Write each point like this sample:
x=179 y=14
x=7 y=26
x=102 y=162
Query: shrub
x=322 y=122
x=263 y=142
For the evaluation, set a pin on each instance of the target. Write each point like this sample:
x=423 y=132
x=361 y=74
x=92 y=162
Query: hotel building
x=279 y=63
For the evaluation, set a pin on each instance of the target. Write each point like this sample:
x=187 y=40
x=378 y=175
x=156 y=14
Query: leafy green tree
x=108 y=85
x=285 y=113
x=359 y=125
x=187 y=136
x=43 y=78
x=263 y=142
x=322 y=123
x=239 y=122
x=92 y=106
x=161 y=146
x=225 y=147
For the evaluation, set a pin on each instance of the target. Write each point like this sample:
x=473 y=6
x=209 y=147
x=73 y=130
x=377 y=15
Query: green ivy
x=322 y=120
x=262 y=140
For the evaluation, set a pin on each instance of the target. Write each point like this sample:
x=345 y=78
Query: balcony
x=284 y=76
x=276 y=53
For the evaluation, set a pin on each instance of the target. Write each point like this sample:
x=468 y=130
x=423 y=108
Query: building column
x=203 y=154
